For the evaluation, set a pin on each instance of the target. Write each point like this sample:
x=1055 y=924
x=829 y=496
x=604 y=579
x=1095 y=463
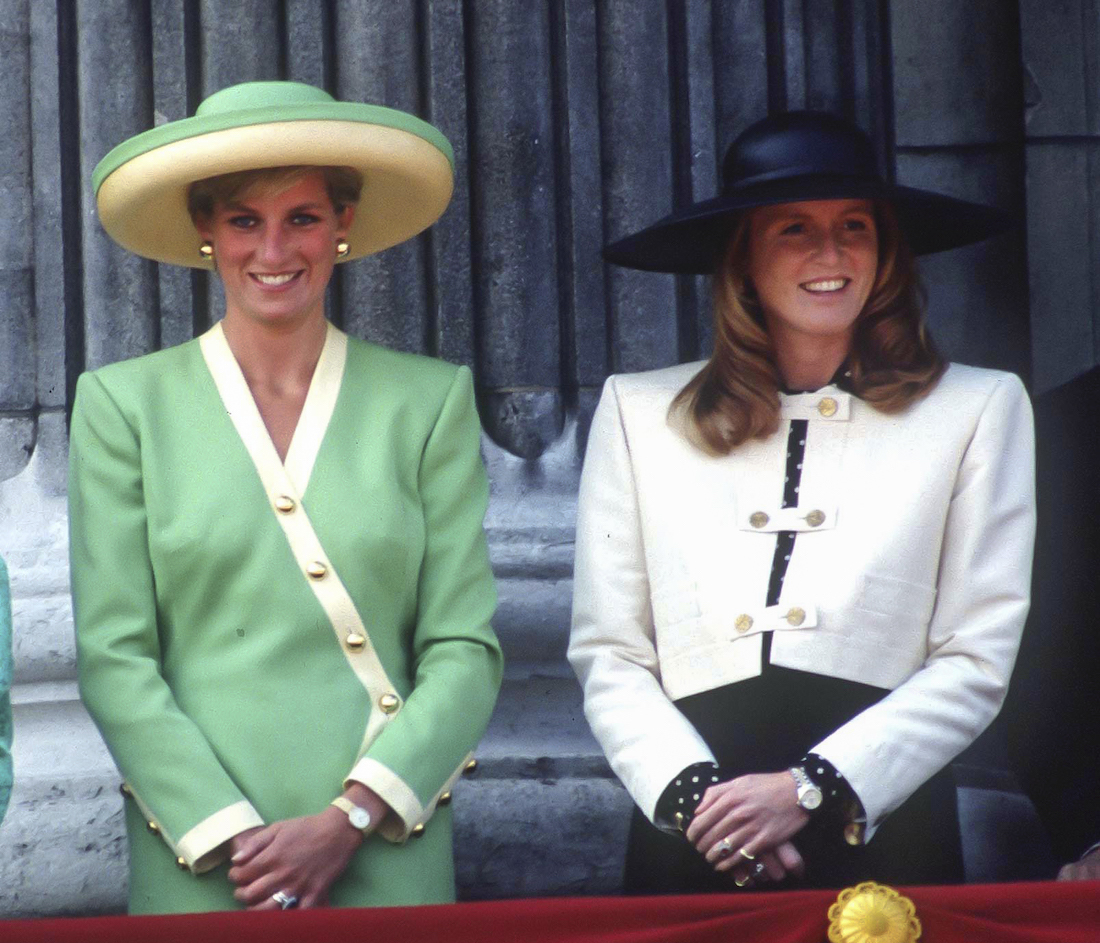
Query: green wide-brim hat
x=407 y=166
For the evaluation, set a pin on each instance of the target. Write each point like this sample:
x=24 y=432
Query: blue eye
x=304 y=219
x=242 y=221
x=856 y=225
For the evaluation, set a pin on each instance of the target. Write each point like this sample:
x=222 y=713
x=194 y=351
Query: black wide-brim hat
x=790 y=158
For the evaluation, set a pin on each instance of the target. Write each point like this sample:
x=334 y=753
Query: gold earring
x=206 y=250
x=342 y=249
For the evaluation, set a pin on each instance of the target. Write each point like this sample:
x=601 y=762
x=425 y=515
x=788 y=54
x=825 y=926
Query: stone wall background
x=574 y=122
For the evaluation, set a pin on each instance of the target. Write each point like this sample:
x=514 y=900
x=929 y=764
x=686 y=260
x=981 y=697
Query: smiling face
x=813 y=265
x=275 y=248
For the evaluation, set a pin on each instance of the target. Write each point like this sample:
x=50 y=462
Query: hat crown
x=798 y=144
x=248 y=95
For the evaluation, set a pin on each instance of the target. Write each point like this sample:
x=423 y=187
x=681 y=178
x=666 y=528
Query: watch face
x=360 y=818
x=809 y=798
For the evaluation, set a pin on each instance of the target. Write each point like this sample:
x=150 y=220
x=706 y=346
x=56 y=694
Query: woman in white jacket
x=802 y=566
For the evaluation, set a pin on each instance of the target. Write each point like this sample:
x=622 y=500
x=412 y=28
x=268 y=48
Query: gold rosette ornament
x=873 y=913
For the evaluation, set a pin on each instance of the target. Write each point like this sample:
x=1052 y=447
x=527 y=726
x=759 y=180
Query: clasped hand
x=301 y=857
x=757 y=814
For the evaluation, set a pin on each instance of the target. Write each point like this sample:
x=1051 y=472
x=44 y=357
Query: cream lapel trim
x=285 y=501
x=317 y=410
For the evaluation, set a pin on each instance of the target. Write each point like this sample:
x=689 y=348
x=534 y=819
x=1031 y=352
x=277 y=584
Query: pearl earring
x=206 y=250
x=342 y=249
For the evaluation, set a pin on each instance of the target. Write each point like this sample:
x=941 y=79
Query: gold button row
x=827 y=406
x=795 y=616
x=814 y=518
x=389 y=703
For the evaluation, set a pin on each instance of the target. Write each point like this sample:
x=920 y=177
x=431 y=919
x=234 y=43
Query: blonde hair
x=893 y=360
x=343 y=184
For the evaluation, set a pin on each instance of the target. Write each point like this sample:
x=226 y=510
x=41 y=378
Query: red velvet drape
x=1001 y=913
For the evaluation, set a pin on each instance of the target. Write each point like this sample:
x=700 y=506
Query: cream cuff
x=203 y=847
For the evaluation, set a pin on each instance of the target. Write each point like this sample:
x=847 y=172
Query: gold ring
x=744 y=854
x=741 y=882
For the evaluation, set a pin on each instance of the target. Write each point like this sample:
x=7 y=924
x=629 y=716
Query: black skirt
x=769 y=723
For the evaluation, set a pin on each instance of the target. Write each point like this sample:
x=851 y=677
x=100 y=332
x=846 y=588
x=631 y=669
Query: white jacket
x=911 y=572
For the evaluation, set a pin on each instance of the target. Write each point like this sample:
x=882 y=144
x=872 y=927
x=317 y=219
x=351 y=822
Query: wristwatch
x=809 y=793
x=357 y=815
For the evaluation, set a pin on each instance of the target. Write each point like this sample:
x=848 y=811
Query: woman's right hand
x=748 y=822
x=300 y=857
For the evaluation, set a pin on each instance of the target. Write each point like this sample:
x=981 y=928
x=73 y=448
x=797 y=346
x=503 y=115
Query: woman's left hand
x=756 y=813
x=301 y=857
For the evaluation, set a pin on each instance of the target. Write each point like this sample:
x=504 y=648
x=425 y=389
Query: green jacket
x=252 y=634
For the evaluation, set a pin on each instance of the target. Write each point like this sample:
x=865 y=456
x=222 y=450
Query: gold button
x=796 y=616
x=316 y=570
x=758 y=518
x=743 y=622
x=417 y=830
x=285 y=504
x=389 y=703
x=153 y=827
x=181 y=863
x=445 y=798
x=827 y=406
x=853 y=833
x=125 y=789
x=470 y=767
x=815 y=518
x=355 y=641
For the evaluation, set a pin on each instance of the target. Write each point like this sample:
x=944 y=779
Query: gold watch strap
x=346 y=806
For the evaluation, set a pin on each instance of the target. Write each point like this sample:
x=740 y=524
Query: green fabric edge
x=311 y=111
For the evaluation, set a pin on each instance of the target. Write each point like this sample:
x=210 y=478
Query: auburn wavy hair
x=893 y=360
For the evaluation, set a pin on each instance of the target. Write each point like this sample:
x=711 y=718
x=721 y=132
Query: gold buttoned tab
x=470 y=767
x=316 y=570
x=181 y=863
x=445 y=798
x=815 y=518
x=417 y=830
x=827 y=406
x=758 y=519
x=389 y=703
x=284 y=504
x=743 y=622
x=153 y=827
x=795 y=616
x=355 y=641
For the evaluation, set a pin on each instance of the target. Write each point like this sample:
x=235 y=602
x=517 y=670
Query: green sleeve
x=458 y=661
x=167 y=762
x=5 y=691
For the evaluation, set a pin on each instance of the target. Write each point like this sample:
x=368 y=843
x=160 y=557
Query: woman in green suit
x=280 y=580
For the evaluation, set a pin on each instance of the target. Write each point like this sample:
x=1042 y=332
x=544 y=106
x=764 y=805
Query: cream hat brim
x=407 y=179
